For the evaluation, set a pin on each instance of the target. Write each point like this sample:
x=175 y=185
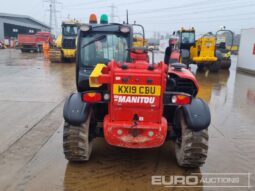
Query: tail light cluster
x=176 y=98
x=169 y=98
x=95 y=97
x=181 y=99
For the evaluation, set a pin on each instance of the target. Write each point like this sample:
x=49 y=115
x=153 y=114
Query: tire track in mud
x=109 y=169
x=122 y=169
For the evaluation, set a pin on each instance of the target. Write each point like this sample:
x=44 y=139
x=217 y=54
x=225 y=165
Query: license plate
x=147 y=90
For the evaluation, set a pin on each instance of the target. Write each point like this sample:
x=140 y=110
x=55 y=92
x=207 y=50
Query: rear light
x=124 y=29
x=181 y=99
x=106 y=96
x=91 y=97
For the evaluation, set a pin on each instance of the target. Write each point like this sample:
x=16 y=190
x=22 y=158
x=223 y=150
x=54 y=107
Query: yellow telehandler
x=203 y=53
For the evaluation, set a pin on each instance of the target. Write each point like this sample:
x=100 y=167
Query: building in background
x=11 y=25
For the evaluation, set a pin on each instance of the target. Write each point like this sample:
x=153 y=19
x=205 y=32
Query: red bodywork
x=33 y=41
x=185 y=74
x=175 y=55
x=139 y=55
x=135 y=119
x=42 y=37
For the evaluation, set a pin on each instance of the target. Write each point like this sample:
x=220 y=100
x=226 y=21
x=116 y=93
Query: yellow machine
x=65 y=44
x=139 y=36
x=139 y=41
x=203 y=53
x=186 y=41
x=223 y=51
x=204 y=50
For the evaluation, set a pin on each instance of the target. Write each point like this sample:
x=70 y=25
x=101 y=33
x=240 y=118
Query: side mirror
x=174 y=33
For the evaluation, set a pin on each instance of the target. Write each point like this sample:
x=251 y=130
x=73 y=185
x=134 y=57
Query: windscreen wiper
x=94 y=40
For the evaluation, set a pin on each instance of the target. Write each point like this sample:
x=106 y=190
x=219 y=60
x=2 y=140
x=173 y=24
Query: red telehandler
x=130 y=102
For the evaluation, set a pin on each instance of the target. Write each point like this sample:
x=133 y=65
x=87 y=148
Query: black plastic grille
x=186 y=85
x=69 y=43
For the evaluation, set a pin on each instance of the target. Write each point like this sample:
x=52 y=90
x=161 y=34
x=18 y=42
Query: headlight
x=84 y=28
x=124 y=29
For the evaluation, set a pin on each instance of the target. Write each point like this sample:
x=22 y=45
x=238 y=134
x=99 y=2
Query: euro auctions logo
x=205 y=180
x=175 y=180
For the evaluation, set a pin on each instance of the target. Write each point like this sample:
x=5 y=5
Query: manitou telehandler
x=130 y=102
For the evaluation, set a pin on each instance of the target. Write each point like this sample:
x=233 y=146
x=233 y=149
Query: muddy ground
x=32 y=93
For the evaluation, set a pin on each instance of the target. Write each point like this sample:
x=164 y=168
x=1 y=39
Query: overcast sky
x=156 y=15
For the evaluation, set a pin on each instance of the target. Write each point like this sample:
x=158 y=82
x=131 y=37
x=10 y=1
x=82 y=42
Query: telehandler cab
x=130 y=102
x=187 y=38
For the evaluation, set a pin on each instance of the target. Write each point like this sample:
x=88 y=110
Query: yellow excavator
x=65 y=44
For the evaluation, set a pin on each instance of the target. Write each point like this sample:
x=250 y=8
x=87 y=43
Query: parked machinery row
x=206 y=51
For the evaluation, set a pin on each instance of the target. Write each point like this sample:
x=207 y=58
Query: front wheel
x=77 y=143
x=191 y=146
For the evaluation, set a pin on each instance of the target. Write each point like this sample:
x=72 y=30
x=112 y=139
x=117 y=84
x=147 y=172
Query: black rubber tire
x=226 y=64
x=214 y=67
x=37 y=49
x=76 y=143
x=200 y=67
x=191 y=146
x=40 y=49
x=23 y=50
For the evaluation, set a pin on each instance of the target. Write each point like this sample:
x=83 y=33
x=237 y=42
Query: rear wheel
x=39 y=49
x=191 y=146
x=76 y=141
x=214 y=67
x=226 y=64
x=200 y=67
x=23 y=50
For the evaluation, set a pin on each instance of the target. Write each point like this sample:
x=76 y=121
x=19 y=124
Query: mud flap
x=76 y=111
x=197 y=114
